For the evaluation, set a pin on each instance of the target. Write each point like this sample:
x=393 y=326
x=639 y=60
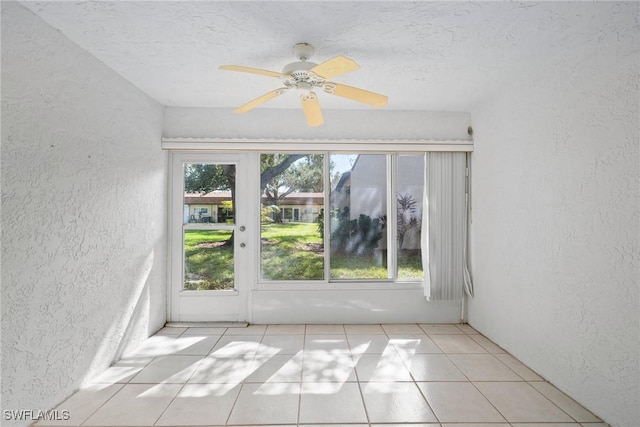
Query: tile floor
x=425 y=374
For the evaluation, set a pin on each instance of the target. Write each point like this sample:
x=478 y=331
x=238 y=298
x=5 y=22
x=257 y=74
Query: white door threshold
x=206 y=325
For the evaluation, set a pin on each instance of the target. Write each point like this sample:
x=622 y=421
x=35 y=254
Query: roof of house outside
x=217 y=197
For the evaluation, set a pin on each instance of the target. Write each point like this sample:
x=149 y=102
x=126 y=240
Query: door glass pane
x=208 y=260
x=409 y=202
x=209 y=192
x=209 y=195
x=358 y=216
x=292 y=211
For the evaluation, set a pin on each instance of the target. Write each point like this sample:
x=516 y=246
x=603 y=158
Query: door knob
x=242 y=228
x=242 y=245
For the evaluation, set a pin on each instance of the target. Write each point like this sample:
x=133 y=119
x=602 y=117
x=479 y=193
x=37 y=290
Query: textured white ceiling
x=440 y=56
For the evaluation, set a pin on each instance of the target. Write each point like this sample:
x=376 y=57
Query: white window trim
x=231 y=145
x=327 y=283
x=314 y=145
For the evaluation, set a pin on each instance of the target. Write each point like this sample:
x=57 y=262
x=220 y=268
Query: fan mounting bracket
x=303 y=51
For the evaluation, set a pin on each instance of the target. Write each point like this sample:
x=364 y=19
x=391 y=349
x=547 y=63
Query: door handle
x=242 y=245
x=242 y=228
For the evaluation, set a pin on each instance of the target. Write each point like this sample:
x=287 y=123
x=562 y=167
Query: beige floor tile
x=170 y=330
x=434 y=367
x=168 y=370
x=381 y=367
x=281 y=344
x=200 y=404
x=440 y=328
x=343 y=425
x=519 y=402
x=364 y=329
x=412 y=425
x=268 y=403
x=223 y=369
x=487 y=344
x=467 y=329
x=519 y=368
x=278 y=368
x=82 y=404
x=407 y=344
x=325 y=366
x=457 y=344
x=285 y=330
x=249 y=330
x=544 y=425
x=409 y=328
x=199 y=345
x=417 y=375
x=389 y=402
x=325 y=330
x=135 y=405
x=370 y=344
x=331 y=403
x=123 y=371
x=483 y=367
x=459 y=402
x=326 y=342
x=237 y=345
x=157 y=345
x=505 y=424
x=567 y=404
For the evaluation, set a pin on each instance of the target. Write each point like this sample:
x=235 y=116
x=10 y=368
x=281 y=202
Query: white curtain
x=444 y=226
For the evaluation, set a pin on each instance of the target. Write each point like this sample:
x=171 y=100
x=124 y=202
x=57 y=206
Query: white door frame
x=207 y=306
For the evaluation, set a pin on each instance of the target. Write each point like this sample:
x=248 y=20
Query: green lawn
x=208 y=263
x=290 y=251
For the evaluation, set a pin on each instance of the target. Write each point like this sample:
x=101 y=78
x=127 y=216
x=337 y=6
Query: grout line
x=235 y=402
x=167 y=407
x=103 y=404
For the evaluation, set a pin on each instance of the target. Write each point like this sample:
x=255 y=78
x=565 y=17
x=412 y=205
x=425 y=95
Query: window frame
x=202 y=146
x=392 y=281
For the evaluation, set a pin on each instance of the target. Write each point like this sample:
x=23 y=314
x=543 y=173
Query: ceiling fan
x=306 y=76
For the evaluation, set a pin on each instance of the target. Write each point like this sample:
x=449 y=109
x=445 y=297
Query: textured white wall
x=556 y=218
x=339 y=124
x=83 y=214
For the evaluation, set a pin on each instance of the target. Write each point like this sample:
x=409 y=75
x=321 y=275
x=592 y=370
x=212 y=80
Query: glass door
x=209 y=238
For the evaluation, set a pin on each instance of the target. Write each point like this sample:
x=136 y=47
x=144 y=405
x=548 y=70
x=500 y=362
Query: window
x=409 y=203
x=341 y=216
x=292 y=204
x=358 y=216
x=207 y=252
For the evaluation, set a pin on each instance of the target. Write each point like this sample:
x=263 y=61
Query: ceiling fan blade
x=260 y=100
x=335 y=67
x=250 y=70
x=356 y=94
x=311 y=108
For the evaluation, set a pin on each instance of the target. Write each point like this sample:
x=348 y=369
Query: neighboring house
x=214 y=207
x=301 y=207
x=363 y=191
x=209 y=207
x=341 y=193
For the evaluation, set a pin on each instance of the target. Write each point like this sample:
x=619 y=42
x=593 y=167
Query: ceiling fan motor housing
x=298 y=72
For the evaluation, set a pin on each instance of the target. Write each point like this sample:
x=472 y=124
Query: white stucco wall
x=556 y=212
x=83 y=214
x=339 y=124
